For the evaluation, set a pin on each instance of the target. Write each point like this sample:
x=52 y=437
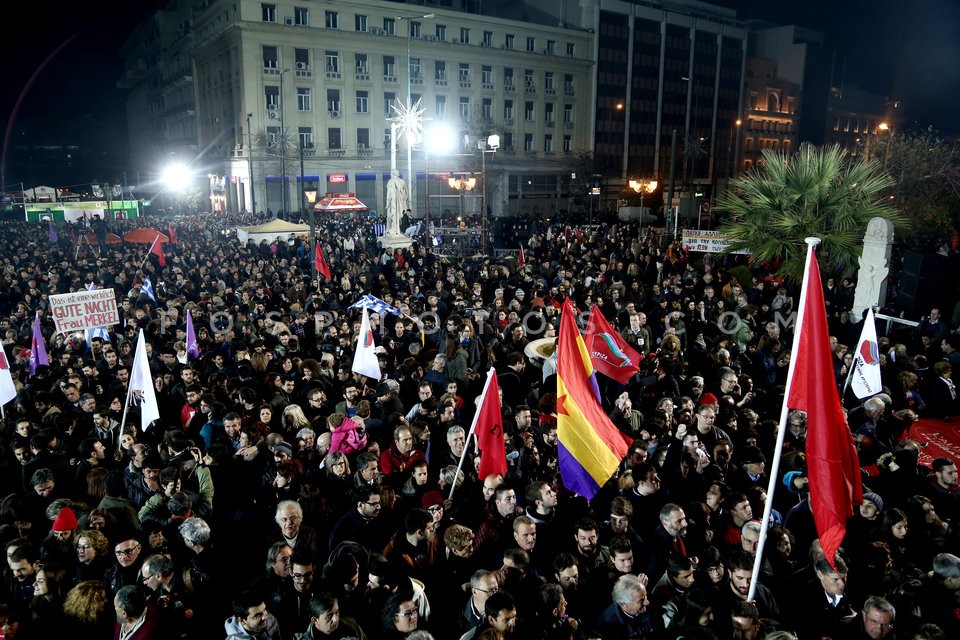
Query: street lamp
x=641 y=187
x=283 y=149
x=439 y=139
x=885 y=127
x=490 y=145
x=462 y=185
x=425 y=16
x=253 y=198
x=310 y=194
x=735 y=160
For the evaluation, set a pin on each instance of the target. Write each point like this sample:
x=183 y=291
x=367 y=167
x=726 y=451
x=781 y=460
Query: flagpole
x=126 y=407
x=149 y=249
x=473 y=427
x=774 y=471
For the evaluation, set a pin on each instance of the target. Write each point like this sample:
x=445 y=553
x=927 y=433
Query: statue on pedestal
x=874 y=267
x=397 y=198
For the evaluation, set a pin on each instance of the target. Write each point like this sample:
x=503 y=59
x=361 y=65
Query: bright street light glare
x=177 y=177
x=440 y=138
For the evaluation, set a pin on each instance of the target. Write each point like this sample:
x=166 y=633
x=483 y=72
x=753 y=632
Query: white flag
x=865 y=379
x=142 y=381
x=7 y=390
x=365 y=360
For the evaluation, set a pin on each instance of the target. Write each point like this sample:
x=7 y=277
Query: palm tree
x=816 y=192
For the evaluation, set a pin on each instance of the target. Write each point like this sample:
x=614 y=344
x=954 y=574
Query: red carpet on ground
x=941 y=437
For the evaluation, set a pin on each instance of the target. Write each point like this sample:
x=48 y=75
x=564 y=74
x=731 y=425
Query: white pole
x=775 y=463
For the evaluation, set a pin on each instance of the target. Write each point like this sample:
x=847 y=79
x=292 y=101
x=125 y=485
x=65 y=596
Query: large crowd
x=280 y=495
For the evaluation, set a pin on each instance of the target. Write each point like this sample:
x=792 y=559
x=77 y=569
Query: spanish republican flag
x=590 y=447
x=831 y=454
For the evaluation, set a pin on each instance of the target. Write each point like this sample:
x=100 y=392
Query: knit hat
x=875 y=499
x=708 y=398
x=788 y=479
x=283 y=447
x=65 y=520
x=431 y=498
x=753 y=455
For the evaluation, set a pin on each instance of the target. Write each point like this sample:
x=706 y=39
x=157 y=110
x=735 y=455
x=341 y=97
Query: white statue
x=874 y=267
x=396 y=202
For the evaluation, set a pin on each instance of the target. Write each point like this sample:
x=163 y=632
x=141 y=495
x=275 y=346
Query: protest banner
x=84 y=310
x=707 y=241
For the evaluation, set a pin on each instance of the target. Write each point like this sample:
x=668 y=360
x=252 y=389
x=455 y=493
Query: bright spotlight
x=177 y=177
x=440 y=138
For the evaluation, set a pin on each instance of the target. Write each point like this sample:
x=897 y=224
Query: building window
x=390 y=26
x=360 y=22
x=464 y=72
x=509 y=41
x=567 y=144
x=305 y=134
x=487 y=38
x=508 y=76
x=508 y=109
x=528 y=111
x=415 y=71
x=528 y=142
x=272 y=97
x=332 y=61
x=571 y=49
x=464 y=35
x=486 y=74
x=362 y=65
x=528 y=80
x=303 y=99
x=333 y=101
x=531 y=44
x=415 y=29
x=363 y=101
x=334 y=141
x=441 y=32
x=464 y=108
x=270 y=57
x=486 y=108
x=331 y=19
x=568 y=113
x=551 y=47
x=568 y=82
x=507 y=141
x=548 y=113
x=441 y=106
x=548 y=81
x=273 y=137
x=440 y=70
x=268 y=12
x=389 y=66
x=302 y=58
x=363 y=138
x=301 y=16
x=548 y=143
x=389 y=100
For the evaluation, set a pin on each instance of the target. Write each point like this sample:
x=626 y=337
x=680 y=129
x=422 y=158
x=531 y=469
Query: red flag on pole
x=522 y=259
x=609 y=352
x=172 y=233
x=488 y=425
x=832 y=463
x=320 y=262
x=157 y=249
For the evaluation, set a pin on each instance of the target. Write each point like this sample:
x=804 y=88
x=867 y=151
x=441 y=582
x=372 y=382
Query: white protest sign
x=84 y=310
x=708 y=241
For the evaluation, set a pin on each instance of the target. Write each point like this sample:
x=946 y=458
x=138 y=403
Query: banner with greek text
x=84 y=310
x=707 y=241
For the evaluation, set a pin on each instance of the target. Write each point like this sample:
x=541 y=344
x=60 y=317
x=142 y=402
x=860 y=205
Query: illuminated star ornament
x=409 y=121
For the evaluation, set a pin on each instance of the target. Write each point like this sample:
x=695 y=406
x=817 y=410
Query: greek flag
x=379 y=229
x=147 y=288
x=375 y=304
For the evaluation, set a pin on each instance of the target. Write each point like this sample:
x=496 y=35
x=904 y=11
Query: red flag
x=488 y=426
x=73 y=236
x=172 y=233
x=609 y=352
x=832 y=463
x=321 y=263
x=522 y=259
x=157 y=250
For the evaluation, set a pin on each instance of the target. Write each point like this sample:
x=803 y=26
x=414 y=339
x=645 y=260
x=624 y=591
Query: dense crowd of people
x=282 y=496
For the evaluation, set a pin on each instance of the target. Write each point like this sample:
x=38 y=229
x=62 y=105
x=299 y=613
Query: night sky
x=70 y=54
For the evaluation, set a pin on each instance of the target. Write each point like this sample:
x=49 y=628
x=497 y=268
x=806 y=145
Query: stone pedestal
x=395 y=241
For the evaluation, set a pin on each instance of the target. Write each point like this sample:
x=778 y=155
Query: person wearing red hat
x=64 y=525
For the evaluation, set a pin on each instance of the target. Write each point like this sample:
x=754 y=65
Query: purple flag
x=53 y=233
x=38 y=348
x=193 y=349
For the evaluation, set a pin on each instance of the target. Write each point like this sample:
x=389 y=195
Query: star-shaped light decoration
x=409 y=121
